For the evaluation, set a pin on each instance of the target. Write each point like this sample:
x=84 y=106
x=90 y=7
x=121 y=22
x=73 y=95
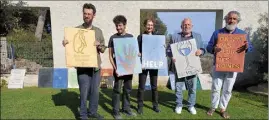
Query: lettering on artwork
x=227 y=65
x=83 y=58
x=153 y=64
x=189 y=72
x=223 y=59
x=228 y=59
x=231 y=38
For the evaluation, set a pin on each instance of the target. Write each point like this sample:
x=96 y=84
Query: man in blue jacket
x=227 y=79
x=189 y=81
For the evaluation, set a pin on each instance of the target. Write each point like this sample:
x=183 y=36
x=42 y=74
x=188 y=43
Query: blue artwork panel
x=153 y=52
x=60 y=78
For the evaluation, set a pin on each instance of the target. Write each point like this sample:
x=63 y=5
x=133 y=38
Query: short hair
x=233 y=12
x=89 y=6
x=120 y=19
x=185 y=20
x=149 y=19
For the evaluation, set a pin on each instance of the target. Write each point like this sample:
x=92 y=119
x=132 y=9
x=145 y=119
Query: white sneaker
x=178 y=110
x=192 y=110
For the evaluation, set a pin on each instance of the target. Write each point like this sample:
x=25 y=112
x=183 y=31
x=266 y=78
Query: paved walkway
x=259 y=89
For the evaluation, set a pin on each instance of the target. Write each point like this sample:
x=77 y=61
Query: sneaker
x=156 y=109
x=117 y=116
x=178 y=110
x=96 y=115
x=129 y=113
x=192 y=110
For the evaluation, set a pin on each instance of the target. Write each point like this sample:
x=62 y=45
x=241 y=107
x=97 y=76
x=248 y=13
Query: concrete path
x=259 y=89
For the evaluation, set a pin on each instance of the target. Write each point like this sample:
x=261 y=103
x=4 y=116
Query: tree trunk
x=40 y=24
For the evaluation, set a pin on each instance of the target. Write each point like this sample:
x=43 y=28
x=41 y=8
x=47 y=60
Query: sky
x=203 y=22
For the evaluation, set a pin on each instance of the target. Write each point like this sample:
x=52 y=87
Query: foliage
x=160 y=27
x=3 y=83
x=207 y=63
x=260 y=43
x=168 y=39
x=17 y=15
x=27 y=47
x=18 y=24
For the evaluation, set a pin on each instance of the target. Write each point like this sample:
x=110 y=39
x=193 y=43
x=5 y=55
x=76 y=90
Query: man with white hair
x=189 y=81
x=227 y=79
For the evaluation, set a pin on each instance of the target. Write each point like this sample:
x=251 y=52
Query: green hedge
x=28 y=47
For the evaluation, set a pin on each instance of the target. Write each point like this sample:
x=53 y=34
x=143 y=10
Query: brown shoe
x=211 y=111
x=225 y=115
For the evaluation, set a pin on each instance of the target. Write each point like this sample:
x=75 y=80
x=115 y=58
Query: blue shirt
x=213 y=40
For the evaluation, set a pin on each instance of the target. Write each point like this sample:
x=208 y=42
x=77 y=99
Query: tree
x=9 y=15
x=40 y=23
x=160 y=27
x=16 y=15
x=168 y=38
x=261 y=45
x=18 y=24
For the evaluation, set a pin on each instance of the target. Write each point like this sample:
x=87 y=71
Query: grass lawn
x=49 y=103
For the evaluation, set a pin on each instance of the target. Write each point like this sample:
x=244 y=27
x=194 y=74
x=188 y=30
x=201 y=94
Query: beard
x=230 y=27
x=87 y=21
x=186 y=32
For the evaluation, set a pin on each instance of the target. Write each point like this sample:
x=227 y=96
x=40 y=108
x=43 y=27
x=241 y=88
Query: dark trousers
x=141 y=87
x=127 y=88
x=89 y=81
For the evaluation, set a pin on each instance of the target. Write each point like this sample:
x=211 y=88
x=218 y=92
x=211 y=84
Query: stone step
x=258 y=90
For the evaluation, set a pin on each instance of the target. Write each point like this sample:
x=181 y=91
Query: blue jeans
x=191 y=83
x=89 y=81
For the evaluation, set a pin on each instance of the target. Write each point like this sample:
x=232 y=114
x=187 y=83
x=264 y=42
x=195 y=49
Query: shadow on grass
x=163 y=96
x=166 y=99
x=103 y=100
x=72 y=101
x=69 y=99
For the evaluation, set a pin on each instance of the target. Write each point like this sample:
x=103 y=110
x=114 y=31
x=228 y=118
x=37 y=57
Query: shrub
x=207 y=63
x=260 y=43
x=4 y=83
x=28 y=47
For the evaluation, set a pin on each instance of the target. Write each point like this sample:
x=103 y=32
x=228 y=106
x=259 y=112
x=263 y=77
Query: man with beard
x=89 y=78
x=227 y=79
